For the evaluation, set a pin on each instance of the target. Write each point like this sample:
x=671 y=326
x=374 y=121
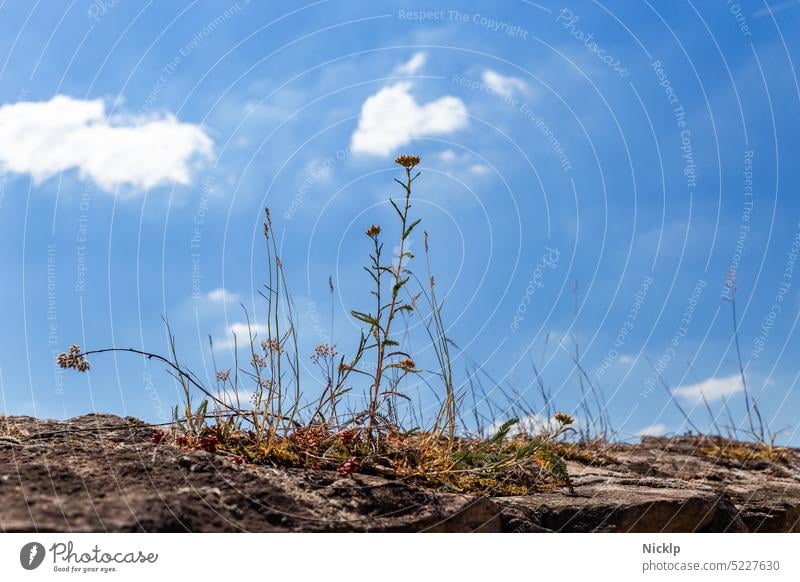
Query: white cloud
x=392 y=118
x=479 y=169
x=657 y=429
x=413 y=65
x=447 y=155
x=242 y=333
x=534 y=424
x=245 y=397
x=626 y=359
x=502 y=85
x=713 y=389
x=222 y=295
x=48 y=137
x=775 y=8
x=318 y=170
x=243 y=329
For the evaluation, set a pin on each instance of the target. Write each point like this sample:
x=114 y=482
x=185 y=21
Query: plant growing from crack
x=278 y=427
x=389 y=303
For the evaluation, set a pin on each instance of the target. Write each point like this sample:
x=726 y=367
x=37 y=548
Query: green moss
x=488 y=467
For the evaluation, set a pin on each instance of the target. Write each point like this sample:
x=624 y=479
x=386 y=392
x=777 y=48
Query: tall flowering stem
x=389 y=354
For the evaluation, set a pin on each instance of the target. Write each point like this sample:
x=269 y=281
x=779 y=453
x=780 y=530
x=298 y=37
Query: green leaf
x=390 y=342
x=502 y=432
x=410 y=228
x=358 y=355
x=201 y=410
x=398 y=285
x=366 y=318
x=386 y=393
x=400 y=214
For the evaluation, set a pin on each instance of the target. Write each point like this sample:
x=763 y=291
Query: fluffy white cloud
x=652 y=430
x=502 y=85
x=222 y=295
x=392 y=118
x=713 y=389
x=413 y=65
x=48 y=137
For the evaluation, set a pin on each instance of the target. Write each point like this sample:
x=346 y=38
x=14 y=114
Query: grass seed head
x=407 y=364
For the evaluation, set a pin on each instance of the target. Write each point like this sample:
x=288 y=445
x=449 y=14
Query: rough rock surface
x=101 y=473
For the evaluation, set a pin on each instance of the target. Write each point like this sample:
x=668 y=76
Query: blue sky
x=646 y=151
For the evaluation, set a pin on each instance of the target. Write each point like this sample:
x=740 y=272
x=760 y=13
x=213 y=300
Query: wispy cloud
x=446 y=155
x=502 y=85
x=413 y=65
x=392 y=118
x=713 y=389
x=242 y=333
x=48 y=137
x=222 y=295
x=533 y=424
x=240 y=398
x=479 y=169
x=657 y=429
x=775 y=8
x=462 y=163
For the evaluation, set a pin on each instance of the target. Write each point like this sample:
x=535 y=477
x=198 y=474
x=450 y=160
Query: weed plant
x=277 y=427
